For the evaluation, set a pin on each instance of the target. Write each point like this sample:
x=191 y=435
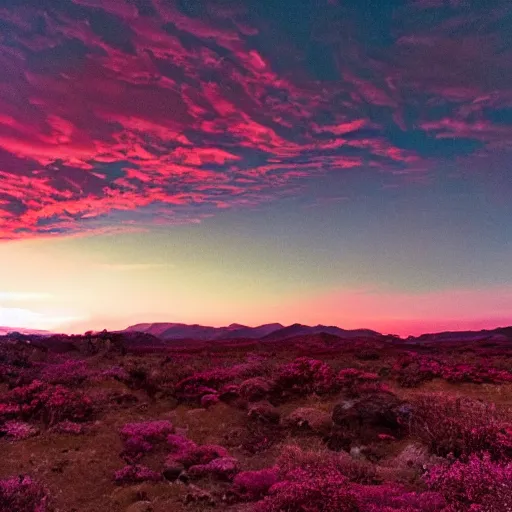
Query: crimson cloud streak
x=120 y=113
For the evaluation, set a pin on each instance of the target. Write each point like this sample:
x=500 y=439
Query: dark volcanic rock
x=173 y=470
x=367 y=417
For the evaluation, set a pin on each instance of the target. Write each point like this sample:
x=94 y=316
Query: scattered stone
x=173 y=469
x=198 y=495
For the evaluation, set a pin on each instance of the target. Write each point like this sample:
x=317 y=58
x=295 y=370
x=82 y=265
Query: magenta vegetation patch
x=336 y=430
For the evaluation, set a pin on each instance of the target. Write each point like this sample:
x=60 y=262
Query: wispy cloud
x=20 y=317
x=24 y=296
x=257 y=106
x=121 y=267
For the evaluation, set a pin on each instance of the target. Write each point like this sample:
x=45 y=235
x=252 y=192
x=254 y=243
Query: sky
x=343 y=162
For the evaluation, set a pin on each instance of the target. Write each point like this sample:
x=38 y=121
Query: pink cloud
x=91 y=125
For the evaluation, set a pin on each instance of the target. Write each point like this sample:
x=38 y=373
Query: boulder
x=173 y=469
x=373 y=417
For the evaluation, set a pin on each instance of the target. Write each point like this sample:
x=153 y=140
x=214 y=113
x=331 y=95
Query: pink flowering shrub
x=356 y=382
x=157 y=430
x=22 y=494
x=18 y=430
x=26 y=396
x=50 y=403
x=397 y=498
x=256 y=388
x=306 y=375
x=328 y=491
x=413 y=369
x=220 y=375
x=60 y=403
x=460 y=426
x=199 y=460
x=133 y=474
x=116 y=373
x=348 y=376
x=209 y=400
x=68 y=373
x=477 y=374
x=302 y=491
x=68 y=427
x=190 y=391
x=293 y=457
x=200 y=454
x=222 y=468
x=319 y=481
x=254 y=366
x=179 y=444
x=478 y=485
x=8 y=411
x=254 y=485
x=8 y=373
x=195 y=386
x=140 y=438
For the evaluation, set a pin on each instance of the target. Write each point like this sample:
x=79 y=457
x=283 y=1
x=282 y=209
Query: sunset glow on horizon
x=318 y=162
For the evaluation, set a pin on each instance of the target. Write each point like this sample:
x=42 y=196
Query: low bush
x=18 y=430
x=460 y=426
x=22 y=494
x=136 y=473
x=305 y=375
x=479 y=484
x=254 y=485
x=140 y=438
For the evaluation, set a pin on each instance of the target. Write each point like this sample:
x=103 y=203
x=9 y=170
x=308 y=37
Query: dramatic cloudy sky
x=322 y=161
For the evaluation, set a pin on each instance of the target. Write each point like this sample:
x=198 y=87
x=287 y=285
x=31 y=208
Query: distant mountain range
x=498 y=334
x=21 y=330
x=158 y=333
x=266 y=332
